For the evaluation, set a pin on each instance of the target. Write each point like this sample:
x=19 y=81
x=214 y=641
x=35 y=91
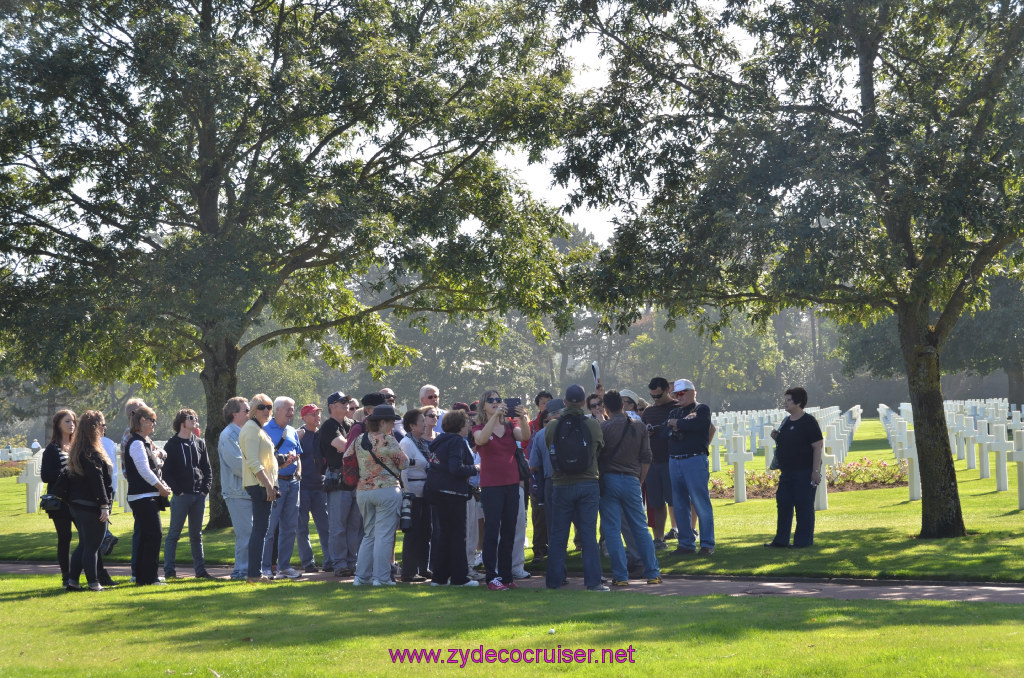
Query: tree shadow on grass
x=307 y=615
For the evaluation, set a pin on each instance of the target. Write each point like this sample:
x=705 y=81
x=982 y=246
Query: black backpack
x=573 y=448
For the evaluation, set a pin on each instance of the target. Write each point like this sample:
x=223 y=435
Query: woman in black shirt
x=90 y=494
x=54 y=463
x=798 y=444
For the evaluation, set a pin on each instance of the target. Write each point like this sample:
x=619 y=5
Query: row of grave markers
x=977 y=429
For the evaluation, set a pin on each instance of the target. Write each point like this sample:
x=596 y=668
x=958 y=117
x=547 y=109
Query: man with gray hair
x=430 y=396
x=236 y=412
x=284 y=517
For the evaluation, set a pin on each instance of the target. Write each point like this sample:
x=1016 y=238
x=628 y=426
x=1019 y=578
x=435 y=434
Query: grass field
x=863 y=534
x=229 y=629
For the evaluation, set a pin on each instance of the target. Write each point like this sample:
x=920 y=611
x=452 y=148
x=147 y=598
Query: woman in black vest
x=147 y=494
x=54 y=463
x=90 y=494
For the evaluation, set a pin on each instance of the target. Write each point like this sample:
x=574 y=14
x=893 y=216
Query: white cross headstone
x=908 y=451
x=33 y=483
x=1017 y=456
x=984 y=438
x=768 y=443
x=1002 y=447
x=737 y=455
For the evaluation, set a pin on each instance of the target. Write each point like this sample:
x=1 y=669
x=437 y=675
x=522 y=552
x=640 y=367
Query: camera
x=405 y=517
x=510 y=406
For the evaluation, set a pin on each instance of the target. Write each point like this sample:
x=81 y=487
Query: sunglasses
x=432 y=397
x=189 y=417
x=430 y=416
x=264 y=407
x=152 y=419
x=387 y=397
x=494 y=400
x=657 y=395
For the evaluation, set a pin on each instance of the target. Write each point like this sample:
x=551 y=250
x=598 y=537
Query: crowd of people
x=457 y=482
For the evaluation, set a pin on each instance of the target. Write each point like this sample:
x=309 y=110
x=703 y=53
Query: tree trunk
x=220 y=382
x=1015 y=373
x=941 y=515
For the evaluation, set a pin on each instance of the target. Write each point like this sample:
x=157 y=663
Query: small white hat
x=683 y=385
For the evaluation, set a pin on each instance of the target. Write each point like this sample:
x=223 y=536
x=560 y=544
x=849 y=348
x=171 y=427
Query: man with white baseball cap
x=688 y=429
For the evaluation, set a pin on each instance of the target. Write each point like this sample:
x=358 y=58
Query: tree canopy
x=183 y=182
x=862 y=157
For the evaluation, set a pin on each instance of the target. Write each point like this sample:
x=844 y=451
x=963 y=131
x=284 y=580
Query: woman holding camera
x=90 y=495
x=147 y=494
x=378 y=495
x=259 y=466
x=495 y=438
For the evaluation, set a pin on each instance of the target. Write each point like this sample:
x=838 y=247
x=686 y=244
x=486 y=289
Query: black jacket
x=54 y=461
x=453 y=465
x=187 y=467
x=691 y=435
x=94 y=486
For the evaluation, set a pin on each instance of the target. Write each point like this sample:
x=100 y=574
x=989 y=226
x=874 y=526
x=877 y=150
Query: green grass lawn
x=328 y=628
x=863 y=534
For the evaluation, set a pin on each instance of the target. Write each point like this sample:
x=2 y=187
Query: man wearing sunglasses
x=688 y=430
x=344 y=522
x=430 y=396
x=659 y=482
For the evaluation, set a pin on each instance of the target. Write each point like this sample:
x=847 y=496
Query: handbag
x=108 y=542
x=50 y=502
x=524 y=466
x=349 y=472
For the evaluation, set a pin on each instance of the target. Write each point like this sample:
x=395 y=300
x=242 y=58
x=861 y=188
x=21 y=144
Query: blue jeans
x=795 y=494
x=315 y=502
x=690 y=485
x=260 y=520
x=240 y=511
x=621 y=503
x=379 y=509
x=576 y=503
x=285 y=519
x=501 y=508
x=345 y=529
x=191 y=507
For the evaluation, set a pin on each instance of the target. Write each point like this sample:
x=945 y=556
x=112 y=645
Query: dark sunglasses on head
x=264 y=407
x=494 y=400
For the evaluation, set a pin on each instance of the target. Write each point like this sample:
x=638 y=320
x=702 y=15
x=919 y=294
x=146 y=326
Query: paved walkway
x=838 y=589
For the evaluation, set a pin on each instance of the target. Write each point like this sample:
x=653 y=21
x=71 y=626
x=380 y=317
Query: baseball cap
x=336 y=397
x=308 y=409
x=575 y=394
x=683 y=385
x=554 y=405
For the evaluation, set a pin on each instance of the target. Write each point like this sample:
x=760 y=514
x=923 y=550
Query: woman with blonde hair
x=495 y=438
x=90 y=495
x=259 y=468
x=147 y=494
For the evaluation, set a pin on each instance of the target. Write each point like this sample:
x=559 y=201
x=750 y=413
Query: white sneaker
x=521 y=574
x=434 y=583
x=356 y=581
x=377 y=582
x=478 y=559
x=476 y=576
x=471 y=582
x=289 y=573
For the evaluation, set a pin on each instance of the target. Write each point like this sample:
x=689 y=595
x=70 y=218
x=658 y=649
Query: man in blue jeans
x=688 y=429
x=575 y=496
x=623 y=465
x=284 y=517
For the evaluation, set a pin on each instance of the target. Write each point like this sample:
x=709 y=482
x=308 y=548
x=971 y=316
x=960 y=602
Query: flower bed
x=11 y=468
x=865 y=474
